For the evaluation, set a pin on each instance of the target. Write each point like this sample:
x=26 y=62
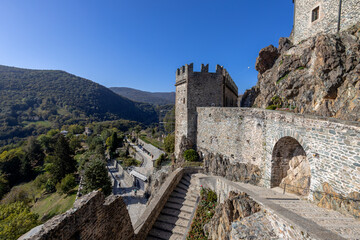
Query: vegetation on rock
x=203 y=215
x=191 y=155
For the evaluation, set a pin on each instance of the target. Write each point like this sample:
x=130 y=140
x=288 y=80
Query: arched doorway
x=290 y=167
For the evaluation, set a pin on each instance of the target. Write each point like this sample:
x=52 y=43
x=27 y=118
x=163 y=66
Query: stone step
x=179 y=207
x=187 y=178
x=176 y=213
x=173 y=220
x=159 y=234
x=176 y=237
x=151 y=238
x=185 y=182
x=180 y=190
x=182 y=186
x=170 y=227
x=182 y=201
x=189 y=196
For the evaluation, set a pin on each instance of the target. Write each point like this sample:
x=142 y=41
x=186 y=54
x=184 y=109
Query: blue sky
x=141 y=43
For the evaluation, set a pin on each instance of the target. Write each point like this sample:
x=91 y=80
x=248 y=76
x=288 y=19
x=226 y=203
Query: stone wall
x=248 y=136
x=328 y=17
x=152 y=211
x=92 y=217
x=239 y=216
x=199 y=89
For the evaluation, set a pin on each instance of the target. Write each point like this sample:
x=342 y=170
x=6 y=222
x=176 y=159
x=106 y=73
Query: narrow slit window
x=315 y=14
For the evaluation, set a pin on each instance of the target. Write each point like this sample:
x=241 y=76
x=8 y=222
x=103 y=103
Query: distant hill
x=156 y=98
x=31 y=99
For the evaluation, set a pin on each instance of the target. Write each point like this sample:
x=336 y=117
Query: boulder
x=266 y=59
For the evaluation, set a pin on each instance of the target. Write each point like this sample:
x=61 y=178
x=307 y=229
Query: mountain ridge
x=156 y=98
x=58 y=97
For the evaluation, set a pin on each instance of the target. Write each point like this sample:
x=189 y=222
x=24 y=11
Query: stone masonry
x=200 y=89
x=249 y=136
x=92 y=217
x=327 y=21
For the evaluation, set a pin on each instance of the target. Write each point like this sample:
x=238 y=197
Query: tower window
x=315 y=14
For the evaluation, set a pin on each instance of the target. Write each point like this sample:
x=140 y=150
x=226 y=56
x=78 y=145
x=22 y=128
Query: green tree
x=34 y=152
x=93 y=142
x=112 y=142
x=75 y=143
x=96 y=177
x=169 y=143
x=137 y=130
x=160 y=160
x=15 y=220
x=13 y=165
x=76 y=129
x=66 y=184
x=4 y=185
x=61 y=162
x=169 y=120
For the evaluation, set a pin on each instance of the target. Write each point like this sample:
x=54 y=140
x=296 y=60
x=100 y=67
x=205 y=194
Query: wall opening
x=315 y=14
x=290 y=167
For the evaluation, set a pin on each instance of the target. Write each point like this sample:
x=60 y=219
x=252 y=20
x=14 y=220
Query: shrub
x=66 y=184
x=272 y=107
x=40 y=181
x=127 y=162
x=160 y=160
x=211 y=196
x=16 y=219
x=17 y=194
x=50 y=186
x=191 y=155
x=169 y=143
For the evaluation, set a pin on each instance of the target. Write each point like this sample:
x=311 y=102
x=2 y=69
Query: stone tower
x=323 y=16
x=199 y=89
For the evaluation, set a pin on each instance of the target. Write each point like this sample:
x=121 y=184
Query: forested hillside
x=31 y=101
x=156 y=98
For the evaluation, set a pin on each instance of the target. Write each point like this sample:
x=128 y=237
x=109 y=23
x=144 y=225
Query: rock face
x=156 y=181
x=328 y=198
x=185 y=144
x=256 y=226
x=319 y=76
x=236 y=207
x=266 y=59
x=240 y=172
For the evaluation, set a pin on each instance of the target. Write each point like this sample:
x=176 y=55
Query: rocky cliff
x=318 y=76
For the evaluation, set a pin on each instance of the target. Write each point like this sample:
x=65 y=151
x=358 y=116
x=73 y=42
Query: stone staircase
x=176 y=216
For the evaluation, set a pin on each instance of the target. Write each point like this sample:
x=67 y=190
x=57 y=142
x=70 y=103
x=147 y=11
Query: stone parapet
x=152 y=211
x=92 y=217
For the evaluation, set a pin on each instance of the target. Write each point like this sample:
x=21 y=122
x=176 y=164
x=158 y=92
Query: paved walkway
x=156 y=152
x=135 y=204
x=320 y=223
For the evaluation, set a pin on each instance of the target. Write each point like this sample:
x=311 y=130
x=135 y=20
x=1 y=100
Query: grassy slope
x=53 y=204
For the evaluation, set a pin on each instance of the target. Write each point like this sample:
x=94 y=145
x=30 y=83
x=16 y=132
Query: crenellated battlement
x=182 y=74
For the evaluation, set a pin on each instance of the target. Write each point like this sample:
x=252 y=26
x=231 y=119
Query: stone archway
x=290 y=166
